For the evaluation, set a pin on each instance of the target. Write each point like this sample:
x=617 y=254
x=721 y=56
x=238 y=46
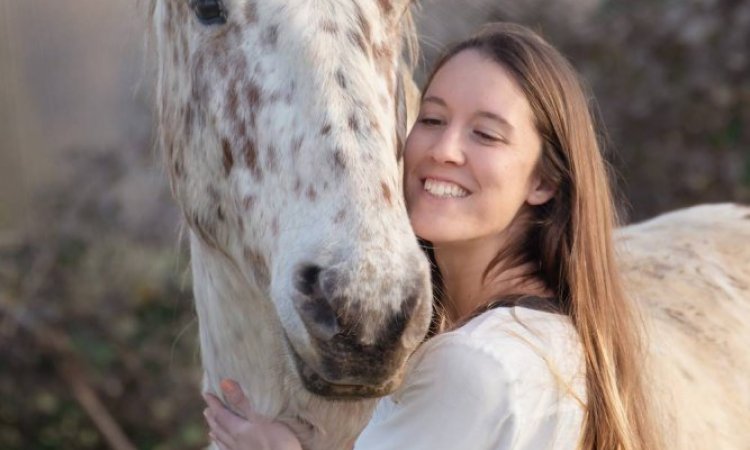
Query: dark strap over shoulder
x=544 y=304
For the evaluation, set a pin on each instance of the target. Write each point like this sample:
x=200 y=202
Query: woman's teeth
x=444 y=188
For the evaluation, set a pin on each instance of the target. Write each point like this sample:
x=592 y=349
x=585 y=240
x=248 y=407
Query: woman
x=534 y=342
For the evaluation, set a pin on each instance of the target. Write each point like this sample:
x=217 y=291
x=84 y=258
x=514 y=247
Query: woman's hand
x=248 y=431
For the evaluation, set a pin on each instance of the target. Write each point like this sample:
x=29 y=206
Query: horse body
x=689 y=271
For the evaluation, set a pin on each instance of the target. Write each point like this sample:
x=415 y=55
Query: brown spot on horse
x=386 y=193
x=338 y=160
x=311 y=193
x=253 y=94
x=329 y=26
x=257 y=261
x=353 y=123
x=356 y=39
x=228 y=159
x=385 y=6
x=251 y=156
x=251 y=12
x=341 y=79
x=271 y=35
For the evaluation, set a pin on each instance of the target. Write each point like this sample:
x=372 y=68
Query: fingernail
x=228 y=385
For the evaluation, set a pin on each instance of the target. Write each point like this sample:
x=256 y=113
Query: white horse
x=282 y=123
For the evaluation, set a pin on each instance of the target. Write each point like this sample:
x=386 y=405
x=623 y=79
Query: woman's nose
x=447 y=148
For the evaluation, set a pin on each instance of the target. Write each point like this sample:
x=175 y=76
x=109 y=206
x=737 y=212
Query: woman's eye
x=209 y=12
x=487 y=137
x=430 y=121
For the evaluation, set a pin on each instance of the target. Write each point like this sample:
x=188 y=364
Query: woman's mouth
x=444 y=189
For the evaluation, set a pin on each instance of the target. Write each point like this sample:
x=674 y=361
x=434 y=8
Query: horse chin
x=316 y=384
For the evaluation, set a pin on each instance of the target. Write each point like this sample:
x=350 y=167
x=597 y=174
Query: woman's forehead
x=472 y=81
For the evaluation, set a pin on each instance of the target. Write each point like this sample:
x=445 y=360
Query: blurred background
x=97 y=329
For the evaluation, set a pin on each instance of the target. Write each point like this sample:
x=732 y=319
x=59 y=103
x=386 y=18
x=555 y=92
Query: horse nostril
x=315 y=308
x=397 y=323
x=307 y=280
x=320 y=315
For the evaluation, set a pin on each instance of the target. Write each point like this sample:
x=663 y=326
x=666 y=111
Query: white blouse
x=512 y=378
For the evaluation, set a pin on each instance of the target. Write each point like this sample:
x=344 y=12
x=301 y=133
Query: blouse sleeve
x=454 y=398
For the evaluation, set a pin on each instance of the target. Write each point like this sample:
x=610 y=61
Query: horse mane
x=410 y=39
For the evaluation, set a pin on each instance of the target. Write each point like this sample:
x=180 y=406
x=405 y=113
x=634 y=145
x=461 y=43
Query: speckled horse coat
x=282 y=123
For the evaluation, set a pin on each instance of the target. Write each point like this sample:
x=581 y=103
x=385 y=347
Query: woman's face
x=470 y=158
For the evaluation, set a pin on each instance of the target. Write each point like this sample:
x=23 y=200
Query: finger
x=237 y=399
x=217 y=432
x=219 y=443
x=223 y=416
x=213 y=401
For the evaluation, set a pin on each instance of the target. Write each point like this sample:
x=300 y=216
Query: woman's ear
x=540 y=192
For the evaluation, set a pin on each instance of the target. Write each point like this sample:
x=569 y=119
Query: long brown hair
x=568 y=240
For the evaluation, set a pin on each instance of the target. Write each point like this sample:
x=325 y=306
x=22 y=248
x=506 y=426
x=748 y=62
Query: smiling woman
x=525 y=138
x=536 y=344
x=472 y=155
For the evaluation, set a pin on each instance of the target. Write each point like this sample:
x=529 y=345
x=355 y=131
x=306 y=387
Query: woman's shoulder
x=492 y=379
x=517 y=320
x=518 y=347
x=515 y=332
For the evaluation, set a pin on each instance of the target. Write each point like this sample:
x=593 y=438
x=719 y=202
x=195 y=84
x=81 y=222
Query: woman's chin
x=438 y=226
x=435 y=234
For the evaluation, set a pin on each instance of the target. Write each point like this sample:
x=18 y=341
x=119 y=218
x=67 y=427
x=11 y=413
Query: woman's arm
x=453 y=398
x=248 y=431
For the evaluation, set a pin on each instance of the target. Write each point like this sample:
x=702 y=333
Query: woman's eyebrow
x=497 y=118
x=433 y=99
x=486 y=114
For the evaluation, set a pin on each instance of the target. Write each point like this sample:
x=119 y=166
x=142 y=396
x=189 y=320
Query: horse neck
x=242 y=339
x=240 y=335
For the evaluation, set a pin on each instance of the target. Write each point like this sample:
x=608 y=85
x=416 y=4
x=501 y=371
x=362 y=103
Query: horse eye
x=209 y=12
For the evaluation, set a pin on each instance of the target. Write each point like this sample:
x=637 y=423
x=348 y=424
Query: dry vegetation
x=97 y=330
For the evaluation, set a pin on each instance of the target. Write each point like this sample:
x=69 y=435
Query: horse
x=282 y=124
